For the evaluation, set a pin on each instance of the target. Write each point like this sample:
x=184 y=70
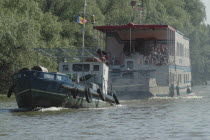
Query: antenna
x=141 y=10
x=138 y=7
x=83 y=30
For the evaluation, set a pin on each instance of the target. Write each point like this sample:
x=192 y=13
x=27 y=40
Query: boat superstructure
x=147 y=60
x=92 y=74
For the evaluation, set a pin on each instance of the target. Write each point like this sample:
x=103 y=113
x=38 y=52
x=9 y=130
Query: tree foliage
x=29 y=24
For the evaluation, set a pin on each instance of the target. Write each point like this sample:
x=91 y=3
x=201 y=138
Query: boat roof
x=133 y=26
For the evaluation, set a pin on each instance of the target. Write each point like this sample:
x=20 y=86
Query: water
x=182 y=118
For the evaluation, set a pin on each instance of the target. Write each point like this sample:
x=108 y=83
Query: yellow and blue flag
x=80 y=20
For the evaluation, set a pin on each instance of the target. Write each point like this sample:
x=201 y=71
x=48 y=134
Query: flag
x=80 y=20
x=83 y=20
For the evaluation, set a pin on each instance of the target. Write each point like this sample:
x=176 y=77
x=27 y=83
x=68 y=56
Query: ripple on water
x=184 y=117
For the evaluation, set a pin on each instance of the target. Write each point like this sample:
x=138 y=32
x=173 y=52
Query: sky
x=207 y=4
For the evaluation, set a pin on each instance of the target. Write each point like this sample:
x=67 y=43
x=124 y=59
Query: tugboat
x=81 y=84
x=39 y=88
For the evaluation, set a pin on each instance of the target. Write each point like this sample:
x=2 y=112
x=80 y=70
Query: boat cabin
x=87 y=73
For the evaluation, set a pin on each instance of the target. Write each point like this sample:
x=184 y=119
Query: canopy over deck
x=133 y=26
x=133 y=31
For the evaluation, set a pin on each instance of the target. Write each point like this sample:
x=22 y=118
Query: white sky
x=207 y=4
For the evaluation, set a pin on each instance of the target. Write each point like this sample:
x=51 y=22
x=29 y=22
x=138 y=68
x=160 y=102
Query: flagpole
x=83 y=30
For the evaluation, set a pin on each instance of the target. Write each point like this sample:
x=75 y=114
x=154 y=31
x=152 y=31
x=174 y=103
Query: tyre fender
x=115 y=98
x=100 y=94
x=88 y=95
x=11 y=90
x=75 y=93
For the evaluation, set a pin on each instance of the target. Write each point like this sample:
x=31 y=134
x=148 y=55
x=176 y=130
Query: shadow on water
x=36 y=111
x=15 y=110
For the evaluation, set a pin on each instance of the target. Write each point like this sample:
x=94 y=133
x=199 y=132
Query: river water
x=181 y=118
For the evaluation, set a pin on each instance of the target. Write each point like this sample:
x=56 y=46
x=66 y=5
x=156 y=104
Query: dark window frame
x=81 y=67
x=96 y=68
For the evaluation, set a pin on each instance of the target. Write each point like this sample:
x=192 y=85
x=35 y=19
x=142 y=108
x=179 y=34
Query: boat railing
x=49 y=76
x=151 y=59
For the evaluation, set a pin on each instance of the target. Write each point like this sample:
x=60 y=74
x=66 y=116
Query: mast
x=83 y=30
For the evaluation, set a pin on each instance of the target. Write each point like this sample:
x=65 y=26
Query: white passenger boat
x=147 y=60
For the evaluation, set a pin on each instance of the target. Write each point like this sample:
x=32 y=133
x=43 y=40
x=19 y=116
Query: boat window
x=180 y=49
x=35 y=74
x=62 y=78
x=17 y=76
x=130 y=64
x=58 y=77
x=49 y=76
x=180 y=78
x=95 y=67
x=81 y=67
x=65 y=67
x=65 y=78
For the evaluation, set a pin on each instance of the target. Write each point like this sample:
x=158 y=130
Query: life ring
x=39 y=68
x=88 y=95
x=115 y=98
x=100 y=94
x=75 y=93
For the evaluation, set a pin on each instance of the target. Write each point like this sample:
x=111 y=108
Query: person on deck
x=99 y=52
x=102 y=55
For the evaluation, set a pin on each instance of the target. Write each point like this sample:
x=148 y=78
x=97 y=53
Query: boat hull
x=32 y=98
x=133 y=89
